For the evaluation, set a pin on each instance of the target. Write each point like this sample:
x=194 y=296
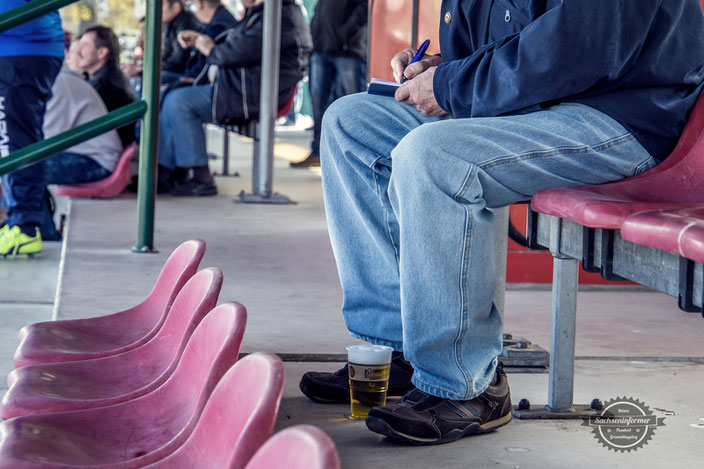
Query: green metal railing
x=147 y=108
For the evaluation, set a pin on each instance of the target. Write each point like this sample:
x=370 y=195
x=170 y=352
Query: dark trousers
x=332 y=78
x=25 y=88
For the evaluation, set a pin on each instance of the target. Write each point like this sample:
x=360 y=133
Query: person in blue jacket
x=525 y=95
x=30 y=59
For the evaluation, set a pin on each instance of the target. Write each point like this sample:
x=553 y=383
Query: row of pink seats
x=173 y=399
x=671 y=191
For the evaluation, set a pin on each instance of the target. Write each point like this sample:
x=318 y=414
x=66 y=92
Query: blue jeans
x=332 y=78
x=406 y=198
x=63 y=168
x=25 y=88
x=181 y=133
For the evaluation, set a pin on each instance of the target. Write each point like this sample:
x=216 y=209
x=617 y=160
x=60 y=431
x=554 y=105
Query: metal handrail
x=51 y=146
x=148 y=108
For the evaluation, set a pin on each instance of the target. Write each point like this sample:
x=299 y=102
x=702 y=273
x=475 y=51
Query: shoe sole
x=378 y=425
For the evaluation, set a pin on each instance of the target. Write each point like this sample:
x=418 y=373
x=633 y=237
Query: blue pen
x=419 y=55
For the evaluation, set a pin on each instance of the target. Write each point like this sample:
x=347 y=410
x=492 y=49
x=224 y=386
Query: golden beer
x=369 y=367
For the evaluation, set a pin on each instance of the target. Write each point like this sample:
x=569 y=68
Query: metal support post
x=151 y=81
x=562 y=337
x=500 y=253
x=263 y=167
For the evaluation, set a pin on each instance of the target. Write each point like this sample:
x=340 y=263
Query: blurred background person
x=338 y=64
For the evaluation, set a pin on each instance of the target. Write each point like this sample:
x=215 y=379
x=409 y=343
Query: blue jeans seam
x=386 y=210
x=559 y=151
x=463 y=326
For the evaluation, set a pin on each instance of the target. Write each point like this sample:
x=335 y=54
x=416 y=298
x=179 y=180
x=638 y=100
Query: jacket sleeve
x=177 y=59
x=570 y=48
x=356 y=20
x=239 y=50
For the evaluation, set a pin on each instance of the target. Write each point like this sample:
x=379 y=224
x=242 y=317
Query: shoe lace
x=342 y=371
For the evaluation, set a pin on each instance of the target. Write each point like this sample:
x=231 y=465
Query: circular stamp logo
x=624 y=424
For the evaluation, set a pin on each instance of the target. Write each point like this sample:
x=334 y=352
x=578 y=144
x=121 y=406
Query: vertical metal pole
x=151 y=80
x=500 y=253
x=564 y=318
x=271 y=49
x=226 y=153
x=414 y=25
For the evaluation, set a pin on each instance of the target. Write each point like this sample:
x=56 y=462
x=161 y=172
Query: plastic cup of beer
x=369 y=367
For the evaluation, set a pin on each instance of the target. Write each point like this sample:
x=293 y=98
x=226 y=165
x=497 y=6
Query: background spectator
x=75 y=102
x=98 y=55
x=338 y=64
x=238 y=61
x=30 y=59
x=214 y=19
x=176 y=18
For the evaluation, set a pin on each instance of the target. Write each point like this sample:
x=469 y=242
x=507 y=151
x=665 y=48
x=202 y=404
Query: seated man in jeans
x=75 y=102
x=234 y=96
x=544 y=93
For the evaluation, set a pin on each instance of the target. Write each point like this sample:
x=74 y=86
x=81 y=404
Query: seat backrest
x=195 y=300
x=122 y=170
x=238 y=418
x=298 y=447
x=178 y=403
x=181 y=265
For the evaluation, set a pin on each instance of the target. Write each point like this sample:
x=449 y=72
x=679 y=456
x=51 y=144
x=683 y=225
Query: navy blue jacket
x=42 y=36
x=639 y=61
x=222 y=19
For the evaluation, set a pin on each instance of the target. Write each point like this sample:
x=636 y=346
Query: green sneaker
x=14 y=243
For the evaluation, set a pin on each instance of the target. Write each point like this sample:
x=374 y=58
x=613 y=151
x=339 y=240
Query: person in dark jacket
x=174 y=57
x=233 y=97
x=526 y=95
x=30 y=59
x=98 y=55
x=338 y=64
x=214 y=19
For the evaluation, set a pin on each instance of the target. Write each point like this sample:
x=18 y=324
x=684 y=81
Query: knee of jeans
x=338 y=117
x=410 y=158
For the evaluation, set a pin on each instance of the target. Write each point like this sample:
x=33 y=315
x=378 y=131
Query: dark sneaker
x=311 y=161
x=334 y=388
x=195 y=188
x=421 y=419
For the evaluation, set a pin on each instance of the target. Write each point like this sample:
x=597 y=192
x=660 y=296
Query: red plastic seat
x=676 y=183
x=137 y=432
x=238 y=418
x=299 y=447
x=81 y=339
x=677 y=231
x=86 y=384
x=107 y=188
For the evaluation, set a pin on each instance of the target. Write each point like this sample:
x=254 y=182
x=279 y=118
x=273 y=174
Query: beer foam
x=368 y=354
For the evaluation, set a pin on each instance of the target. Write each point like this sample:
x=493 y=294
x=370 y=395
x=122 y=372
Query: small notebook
x=382 y=87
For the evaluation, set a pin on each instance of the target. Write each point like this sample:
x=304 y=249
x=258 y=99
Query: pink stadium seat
x=678 y=231
x=299 y=447
x=676 y=183
x=107 y=188
x=86 y=384
x=139 y=432
x=81 y=339
x=238 y=418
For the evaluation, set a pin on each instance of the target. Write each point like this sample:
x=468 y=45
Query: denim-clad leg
x=350 y=74
x=413 y=244
x=181 y=133
x=321 y=81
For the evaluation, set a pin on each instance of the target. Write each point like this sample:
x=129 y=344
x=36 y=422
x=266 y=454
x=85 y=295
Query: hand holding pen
x=409 y=63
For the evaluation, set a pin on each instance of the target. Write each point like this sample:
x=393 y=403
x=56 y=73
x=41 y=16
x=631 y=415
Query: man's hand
x=419 y=93
x=131 y=70
x=187 y=38
x=188 y=80
x=251 y=3
x=401 y=63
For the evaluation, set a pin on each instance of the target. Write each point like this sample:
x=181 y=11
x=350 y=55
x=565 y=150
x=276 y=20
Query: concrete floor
x=278 y=262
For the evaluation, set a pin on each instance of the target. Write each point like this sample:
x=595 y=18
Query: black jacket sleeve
x=356 y=20
x=242 y=46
